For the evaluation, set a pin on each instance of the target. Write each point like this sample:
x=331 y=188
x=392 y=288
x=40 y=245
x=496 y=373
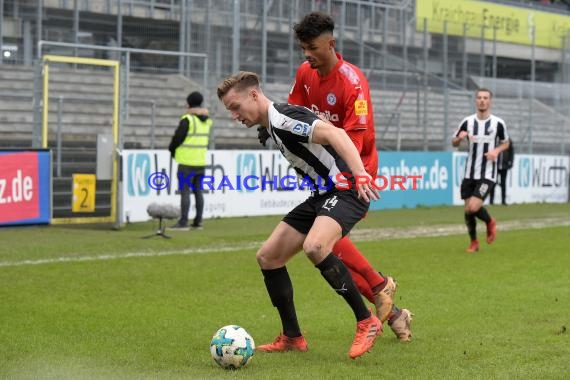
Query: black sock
x=483 y=215
x=471 y=224
x=338 y=277
x=280 y=291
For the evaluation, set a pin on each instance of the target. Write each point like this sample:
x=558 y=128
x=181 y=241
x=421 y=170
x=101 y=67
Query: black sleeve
x=501 y=132
x=179 y=136
x=462 y=127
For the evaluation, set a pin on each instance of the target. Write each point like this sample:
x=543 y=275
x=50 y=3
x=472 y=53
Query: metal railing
x=129 y=51
x=381 y=37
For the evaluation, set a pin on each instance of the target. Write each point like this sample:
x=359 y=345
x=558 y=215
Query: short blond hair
x=239 y=81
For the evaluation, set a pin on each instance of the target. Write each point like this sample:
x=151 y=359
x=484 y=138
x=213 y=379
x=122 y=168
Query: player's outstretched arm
x=327 y=134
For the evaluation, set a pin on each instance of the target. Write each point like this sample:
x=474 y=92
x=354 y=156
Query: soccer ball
x=232 y=347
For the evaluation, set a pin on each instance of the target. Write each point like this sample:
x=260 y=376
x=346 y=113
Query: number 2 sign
x=83 y=193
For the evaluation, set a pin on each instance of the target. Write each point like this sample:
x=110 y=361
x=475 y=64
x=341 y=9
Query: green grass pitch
x=86 y=302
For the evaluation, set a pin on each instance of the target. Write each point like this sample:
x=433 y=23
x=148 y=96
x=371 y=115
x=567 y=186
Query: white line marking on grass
x=67 y=259
x=369 y=234
x=453 y=229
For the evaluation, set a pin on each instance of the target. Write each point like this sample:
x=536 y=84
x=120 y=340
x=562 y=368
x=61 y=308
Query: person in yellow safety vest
x=189 y=147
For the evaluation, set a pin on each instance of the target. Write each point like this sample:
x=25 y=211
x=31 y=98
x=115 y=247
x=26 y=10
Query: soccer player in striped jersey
x=488 y=137
x=323 y=157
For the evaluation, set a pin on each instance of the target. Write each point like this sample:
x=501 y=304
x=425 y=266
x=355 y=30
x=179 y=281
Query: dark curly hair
x=313 y=25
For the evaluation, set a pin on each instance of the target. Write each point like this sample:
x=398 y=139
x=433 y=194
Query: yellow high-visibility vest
x=194 y=149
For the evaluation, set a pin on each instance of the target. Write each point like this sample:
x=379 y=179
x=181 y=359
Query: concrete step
x=15 y=131
x=8 y=73
x=15 y=141
x=76 y=155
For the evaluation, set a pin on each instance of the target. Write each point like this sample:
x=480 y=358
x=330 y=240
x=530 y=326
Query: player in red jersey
x=338 y=91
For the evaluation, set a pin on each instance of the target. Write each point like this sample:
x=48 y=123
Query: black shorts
x=479 y=188
x=344 y=206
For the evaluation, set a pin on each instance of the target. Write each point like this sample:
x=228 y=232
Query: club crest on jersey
x=301 y=129
x=331 y=99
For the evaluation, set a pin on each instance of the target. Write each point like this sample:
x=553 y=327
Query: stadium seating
x=86 y=112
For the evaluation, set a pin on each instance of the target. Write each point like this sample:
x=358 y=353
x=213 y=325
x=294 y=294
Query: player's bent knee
x=473 y=209
x=264 y=259
x=312 y=246
x=270 y=259
x=315 y=250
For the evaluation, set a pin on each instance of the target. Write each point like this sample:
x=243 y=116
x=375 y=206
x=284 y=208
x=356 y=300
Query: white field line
x=358 y=235
x=453 y=229
x=111 y=256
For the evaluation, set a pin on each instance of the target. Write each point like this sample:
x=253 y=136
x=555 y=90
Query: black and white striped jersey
x=483 y=136
x=291 y=127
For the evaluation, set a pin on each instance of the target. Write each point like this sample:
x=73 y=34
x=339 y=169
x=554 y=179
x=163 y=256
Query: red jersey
x=343 y=98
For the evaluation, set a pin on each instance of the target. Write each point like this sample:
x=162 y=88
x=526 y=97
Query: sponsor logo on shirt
x=327 y=114
x=301 y=129
x=481 y=139
x=361 y=107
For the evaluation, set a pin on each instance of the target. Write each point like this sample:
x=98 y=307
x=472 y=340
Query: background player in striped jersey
x=488 y=137
x=338 y=92
x=319 y=153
